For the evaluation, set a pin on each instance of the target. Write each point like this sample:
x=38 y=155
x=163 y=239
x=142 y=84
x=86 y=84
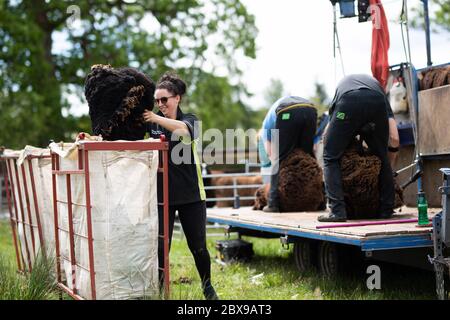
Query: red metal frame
x=12 y=218
x=83 y=168
x=12 y=180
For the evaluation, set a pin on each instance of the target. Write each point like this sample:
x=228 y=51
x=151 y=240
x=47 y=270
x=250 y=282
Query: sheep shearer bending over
x=296 y=121
x=359 y=107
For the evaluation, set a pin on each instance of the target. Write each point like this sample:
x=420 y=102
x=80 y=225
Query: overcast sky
x=295 y=45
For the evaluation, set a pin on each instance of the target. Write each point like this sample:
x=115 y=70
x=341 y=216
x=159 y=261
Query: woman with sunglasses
x=186 y=190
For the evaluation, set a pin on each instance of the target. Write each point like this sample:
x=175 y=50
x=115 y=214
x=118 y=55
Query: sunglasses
x=163 y=100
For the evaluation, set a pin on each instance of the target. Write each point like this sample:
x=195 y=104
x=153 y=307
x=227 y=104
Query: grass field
x=272 y=275
x=6 y=246
x=38 y=285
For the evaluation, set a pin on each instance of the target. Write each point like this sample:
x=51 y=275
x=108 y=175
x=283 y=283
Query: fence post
x=236 y=204
x=2 y=188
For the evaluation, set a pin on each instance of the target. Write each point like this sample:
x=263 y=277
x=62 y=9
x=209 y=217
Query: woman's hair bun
x=172 y=82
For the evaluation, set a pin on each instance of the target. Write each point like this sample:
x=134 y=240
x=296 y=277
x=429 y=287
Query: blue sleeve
x=324 y=119
x=268 y=124
x=263 y=156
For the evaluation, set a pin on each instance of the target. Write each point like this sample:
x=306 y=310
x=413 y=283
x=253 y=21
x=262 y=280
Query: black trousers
x=296 y=129
x=193 y=220
x=354 y=111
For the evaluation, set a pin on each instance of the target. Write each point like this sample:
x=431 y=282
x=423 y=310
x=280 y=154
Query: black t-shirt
x=185 y=179
x=356 y=82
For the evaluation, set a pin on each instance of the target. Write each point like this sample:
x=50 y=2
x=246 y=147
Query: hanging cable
x=405 y=8
x=402 y=21
x=412 y=85
x=336 y=42
x=340 y=52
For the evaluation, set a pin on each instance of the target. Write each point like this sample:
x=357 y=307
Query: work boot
x=323 y=206
x=210 y=293
x=332 y=218
x=386 y=214
x=271 y=209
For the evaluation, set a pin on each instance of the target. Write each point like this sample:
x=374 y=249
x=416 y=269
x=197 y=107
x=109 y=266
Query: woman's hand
x=170 y=124
x=149 y=116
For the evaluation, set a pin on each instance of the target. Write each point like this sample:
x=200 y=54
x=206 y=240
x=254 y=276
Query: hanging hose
x=402 y=22
x=414 y=110
x=408 y=42
x=336 y=43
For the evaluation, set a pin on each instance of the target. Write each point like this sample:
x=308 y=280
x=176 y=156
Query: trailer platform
x=303 y=225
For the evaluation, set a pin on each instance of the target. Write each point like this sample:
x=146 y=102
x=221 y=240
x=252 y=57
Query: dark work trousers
x=355 y=110
x=296 y=129
x=193 y=220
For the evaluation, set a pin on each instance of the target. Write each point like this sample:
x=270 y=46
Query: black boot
x=386 y=214
x=209 y=292
x=332 y=218
x=271 y=209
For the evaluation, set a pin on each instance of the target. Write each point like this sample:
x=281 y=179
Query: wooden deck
x=306 y=222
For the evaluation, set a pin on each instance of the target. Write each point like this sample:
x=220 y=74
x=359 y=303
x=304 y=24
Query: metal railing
x=3 y=204
x=178 y=230
x=236 y=198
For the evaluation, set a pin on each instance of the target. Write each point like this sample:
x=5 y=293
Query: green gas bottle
x=422 y=207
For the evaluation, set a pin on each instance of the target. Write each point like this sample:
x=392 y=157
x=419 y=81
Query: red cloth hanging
x=380 y=43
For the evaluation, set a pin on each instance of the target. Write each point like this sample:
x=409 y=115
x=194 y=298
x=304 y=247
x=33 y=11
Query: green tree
x=320 y=98
x=216 y=102
x=152 y=35
x=442 y=17
x=273 y=92
x=439 y=15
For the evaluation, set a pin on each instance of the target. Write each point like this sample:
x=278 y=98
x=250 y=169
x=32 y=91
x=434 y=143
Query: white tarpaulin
x=124 y=222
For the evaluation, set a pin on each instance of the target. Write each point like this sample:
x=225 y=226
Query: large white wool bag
x=123 y=193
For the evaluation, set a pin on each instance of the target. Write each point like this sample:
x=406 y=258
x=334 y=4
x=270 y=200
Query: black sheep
x=117 y=98
x=301 y=184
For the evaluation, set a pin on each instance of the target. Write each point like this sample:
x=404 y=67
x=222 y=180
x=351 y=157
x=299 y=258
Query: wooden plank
x=383 y=230
x=434 y=118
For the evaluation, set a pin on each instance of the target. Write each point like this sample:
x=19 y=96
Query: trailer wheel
x=329 y=259
x=305 y=254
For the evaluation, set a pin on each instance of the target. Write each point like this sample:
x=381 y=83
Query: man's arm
x=325 y=131
x=268 y=147
x=394 y=141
